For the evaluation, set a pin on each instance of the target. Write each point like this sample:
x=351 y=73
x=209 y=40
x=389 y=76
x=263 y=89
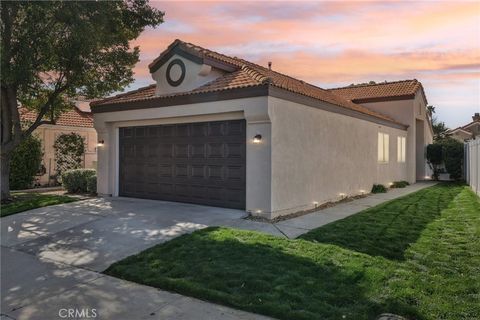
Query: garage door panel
x=201 y=163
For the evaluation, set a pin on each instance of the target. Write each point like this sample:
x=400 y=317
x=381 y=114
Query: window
x=401 y=141
x=382 y=147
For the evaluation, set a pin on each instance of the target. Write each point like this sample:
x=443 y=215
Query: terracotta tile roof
x=465 y=127
x=246 y=74
x=379 y=91
x=70 y=118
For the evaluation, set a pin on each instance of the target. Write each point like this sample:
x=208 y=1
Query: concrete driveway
x=51 y=258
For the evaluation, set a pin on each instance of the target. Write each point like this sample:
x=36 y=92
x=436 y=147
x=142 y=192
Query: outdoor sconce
x=100 y=143
x=257 y=138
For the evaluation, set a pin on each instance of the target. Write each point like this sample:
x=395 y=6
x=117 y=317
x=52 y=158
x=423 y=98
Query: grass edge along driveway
x=417 y=256
x=32 y=200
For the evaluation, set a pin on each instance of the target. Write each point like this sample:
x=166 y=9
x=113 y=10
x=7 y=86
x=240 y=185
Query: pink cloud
x=332 y=41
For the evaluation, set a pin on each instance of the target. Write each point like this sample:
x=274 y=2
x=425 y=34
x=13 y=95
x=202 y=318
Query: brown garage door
x=200 y=163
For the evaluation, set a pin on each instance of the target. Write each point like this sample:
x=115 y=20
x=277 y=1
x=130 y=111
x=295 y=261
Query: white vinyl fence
x=472 y=164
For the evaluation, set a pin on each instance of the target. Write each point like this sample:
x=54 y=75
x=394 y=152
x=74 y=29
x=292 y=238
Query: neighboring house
x=221 y=131
x=78 y=120
x=468 y=131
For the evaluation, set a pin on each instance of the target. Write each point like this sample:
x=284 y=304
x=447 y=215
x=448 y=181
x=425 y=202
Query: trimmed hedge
x=76 y=180
x=379 y=188
x=92 y=184
x=25 y=163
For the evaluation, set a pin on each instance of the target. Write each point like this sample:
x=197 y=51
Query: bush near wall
x=92 y=184
x=25 y=163
x=400 y=184
x=379 y=188
x=453 y=157
x=449 y=152
x=77 y=180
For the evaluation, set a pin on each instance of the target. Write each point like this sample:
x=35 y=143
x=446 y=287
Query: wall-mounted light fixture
x=342 y=195
x=100 y=143
x=257 y=138
x=362 y=191
x=390 y=184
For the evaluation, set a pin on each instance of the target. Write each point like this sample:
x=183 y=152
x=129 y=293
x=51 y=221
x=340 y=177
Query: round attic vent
x=175 y=72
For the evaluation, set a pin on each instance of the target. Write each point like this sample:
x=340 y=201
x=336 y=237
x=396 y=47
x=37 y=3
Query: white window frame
x=401 y=149
x=383 y=147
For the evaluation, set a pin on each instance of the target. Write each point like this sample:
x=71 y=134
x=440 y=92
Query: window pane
x=386 y=150
x=399 y=149
x=380 y=146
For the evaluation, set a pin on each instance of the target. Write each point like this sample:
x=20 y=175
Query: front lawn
x=31 y=200
x=418 y=256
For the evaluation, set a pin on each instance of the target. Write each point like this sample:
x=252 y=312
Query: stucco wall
x=318 y=155
x=254 y=110
x=195 y=76
x=407 y=112
x=49 y=133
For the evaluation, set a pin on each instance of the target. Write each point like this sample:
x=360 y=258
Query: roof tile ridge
x=255 y=75
x=92 y=103
x=375 y=84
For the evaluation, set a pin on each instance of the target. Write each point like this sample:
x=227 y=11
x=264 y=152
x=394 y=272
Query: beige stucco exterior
x=411 y=112
x=196 y=75
x=49 y=133
x=254 y=110
x=307 y=155
x=310 y=153
x=320 y=156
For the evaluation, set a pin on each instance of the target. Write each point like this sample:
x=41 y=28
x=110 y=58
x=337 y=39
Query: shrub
x=435 y=158
x=25 y=163
x=400 y=184
x=92 y=184
x=453 y=159
x=449 y=152
x=76 y=180
x=379 y=188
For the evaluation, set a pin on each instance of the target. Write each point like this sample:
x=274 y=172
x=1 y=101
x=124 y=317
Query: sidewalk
x=295 y=227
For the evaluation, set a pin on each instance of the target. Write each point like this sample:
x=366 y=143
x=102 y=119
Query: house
x=78 y=120
x=468 y=131
x=222 y=131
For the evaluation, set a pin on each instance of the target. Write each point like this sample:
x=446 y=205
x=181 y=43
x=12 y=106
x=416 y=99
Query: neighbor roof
x=70 y=118
x=241 y=74
x=385 y=91
x=465 y=128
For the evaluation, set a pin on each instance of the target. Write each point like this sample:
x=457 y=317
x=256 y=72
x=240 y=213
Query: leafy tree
x=449 y=152
x=431 y=110
x=52 y=51
x=453 y=155
x=440 y=130
x=26 y=161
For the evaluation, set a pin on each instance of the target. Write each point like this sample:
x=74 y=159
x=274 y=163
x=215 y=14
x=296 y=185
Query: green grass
x=31 y=200
x=418 y=256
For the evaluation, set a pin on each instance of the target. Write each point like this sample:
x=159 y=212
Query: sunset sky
x=335 y=43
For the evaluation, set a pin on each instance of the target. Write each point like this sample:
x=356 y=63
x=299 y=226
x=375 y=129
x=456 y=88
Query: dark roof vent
x=269 y=65
x=476 y=116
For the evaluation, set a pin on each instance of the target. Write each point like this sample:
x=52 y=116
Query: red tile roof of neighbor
x=70 y=118
x=245 y=74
